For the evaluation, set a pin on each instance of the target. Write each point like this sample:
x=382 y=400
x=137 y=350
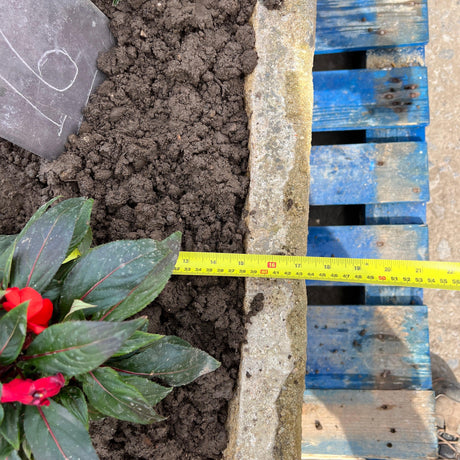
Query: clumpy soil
x=272 y=4
x=163 y=148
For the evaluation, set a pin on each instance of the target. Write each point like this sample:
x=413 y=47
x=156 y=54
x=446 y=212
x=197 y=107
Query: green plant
x=64 y=334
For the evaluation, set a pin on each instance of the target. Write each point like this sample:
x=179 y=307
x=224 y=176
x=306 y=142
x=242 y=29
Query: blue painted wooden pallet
x=349 y=25
x=364 y=98
x=370 y=241
x=368 y=347
x=397 y=213
x=405 y=242
x=368 y=373
x=369 y=173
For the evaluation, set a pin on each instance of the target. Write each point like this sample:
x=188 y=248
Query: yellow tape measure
x=407 y=273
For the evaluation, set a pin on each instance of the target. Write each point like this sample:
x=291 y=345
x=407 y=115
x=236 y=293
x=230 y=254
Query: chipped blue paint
x=366 y=347
x=369 y=173
x=371 y=241
x=349 y=25
x=363 y=99
x=392 y=105
x=403 y=242
x=395 y=213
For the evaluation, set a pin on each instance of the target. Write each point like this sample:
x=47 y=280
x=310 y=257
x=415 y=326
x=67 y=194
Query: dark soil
x=272 y=4
x=163 y=148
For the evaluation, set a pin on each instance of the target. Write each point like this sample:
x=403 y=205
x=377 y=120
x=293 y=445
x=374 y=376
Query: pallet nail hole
x=318 y=425
x=380 y=244
x=389 y=444
x=385 y=374
x=380 y=163
x=392 y=430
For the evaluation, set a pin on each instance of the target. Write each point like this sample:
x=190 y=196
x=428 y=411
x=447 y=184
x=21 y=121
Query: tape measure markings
x=406 y=273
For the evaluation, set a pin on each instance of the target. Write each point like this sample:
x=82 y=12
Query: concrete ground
x=443 y=135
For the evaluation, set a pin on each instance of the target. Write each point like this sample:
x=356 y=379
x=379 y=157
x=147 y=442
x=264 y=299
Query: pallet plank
x=395 y=57
x=350 y=25
x=372 y=417
x=363 y=99
x=395 y=213
x=370 y=424
x=403 y=242
x=369 y=173
x=370 y=241
x=368 y=347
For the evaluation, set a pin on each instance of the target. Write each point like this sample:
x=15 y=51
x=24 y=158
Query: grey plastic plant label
x=48 y=53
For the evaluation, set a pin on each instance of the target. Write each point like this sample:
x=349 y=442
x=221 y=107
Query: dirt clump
x=163 y=148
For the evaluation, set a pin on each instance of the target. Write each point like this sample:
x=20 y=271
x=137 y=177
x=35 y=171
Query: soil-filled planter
x=163 y=148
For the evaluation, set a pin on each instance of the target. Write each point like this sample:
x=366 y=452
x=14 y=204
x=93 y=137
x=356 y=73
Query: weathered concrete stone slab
x=265 y=415
x=48 y=52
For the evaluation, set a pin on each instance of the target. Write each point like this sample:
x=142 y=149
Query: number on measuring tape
x=441 y=275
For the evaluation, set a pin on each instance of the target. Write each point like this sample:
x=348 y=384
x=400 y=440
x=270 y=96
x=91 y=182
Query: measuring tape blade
x=407 y=273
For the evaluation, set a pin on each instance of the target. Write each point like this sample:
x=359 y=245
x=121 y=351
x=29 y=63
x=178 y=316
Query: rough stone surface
x=264 y=421
x=443 y=137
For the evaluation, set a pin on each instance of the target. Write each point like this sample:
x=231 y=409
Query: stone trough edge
x=265 y=415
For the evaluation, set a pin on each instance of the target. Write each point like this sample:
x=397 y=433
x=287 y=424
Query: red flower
x=32 y=392
x=39 y=311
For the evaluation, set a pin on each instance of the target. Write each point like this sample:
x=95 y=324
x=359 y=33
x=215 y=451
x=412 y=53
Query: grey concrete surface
x=443 y=136
x=265 y=415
